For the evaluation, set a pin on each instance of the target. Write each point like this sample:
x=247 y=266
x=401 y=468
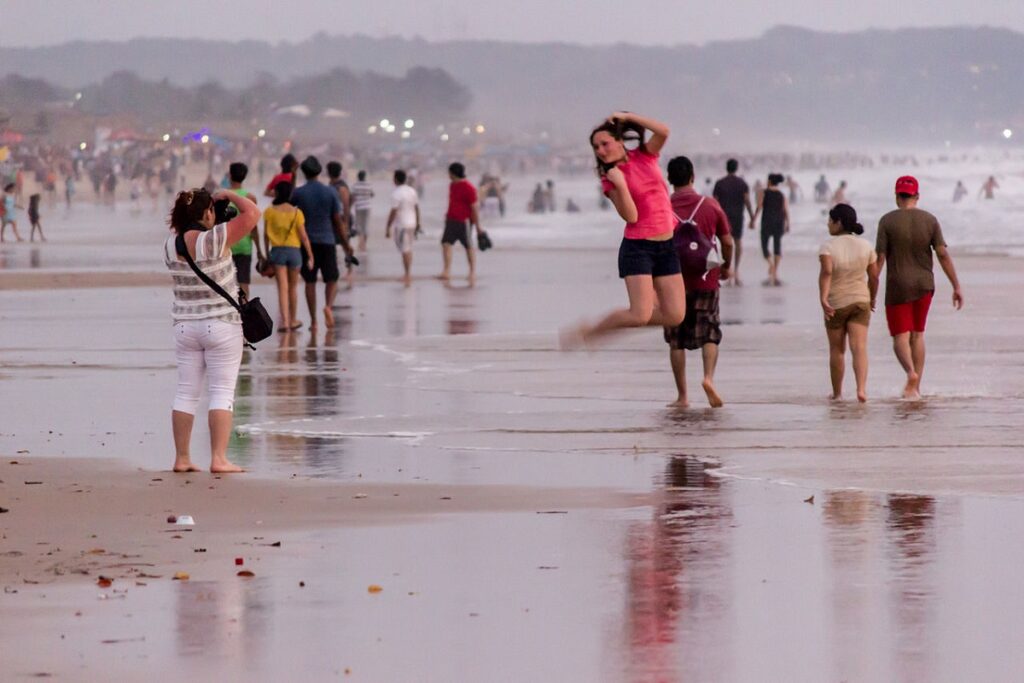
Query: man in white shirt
x=405 y=219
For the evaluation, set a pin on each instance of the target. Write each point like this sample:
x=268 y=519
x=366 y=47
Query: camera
x=223 y=211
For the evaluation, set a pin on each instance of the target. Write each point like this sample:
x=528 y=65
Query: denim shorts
x=289 y=257
x=648 y=257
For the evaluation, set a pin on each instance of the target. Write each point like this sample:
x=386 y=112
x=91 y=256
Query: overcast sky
x=44 y=22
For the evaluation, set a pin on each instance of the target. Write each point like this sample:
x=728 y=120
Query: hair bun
x=858 y=229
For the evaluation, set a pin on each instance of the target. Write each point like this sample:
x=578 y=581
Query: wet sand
x=687 y=549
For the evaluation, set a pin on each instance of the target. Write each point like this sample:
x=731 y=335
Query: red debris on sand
x=246 y=573
x=239 y=561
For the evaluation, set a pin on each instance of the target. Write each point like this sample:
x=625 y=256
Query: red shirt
x=461 y=198
x=711 y=220
x=280 y=178
x=649 y=193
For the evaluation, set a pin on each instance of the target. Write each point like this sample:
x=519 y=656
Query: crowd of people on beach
x=678 y=248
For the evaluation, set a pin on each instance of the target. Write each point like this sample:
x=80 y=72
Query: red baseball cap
x=906 y=185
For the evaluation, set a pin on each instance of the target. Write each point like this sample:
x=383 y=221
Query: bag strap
x=179 y=246
x=692 y=215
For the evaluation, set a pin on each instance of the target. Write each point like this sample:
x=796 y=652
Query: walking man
x=463 y=214
x=700 y=328
x=906 y=239
x=733 y=195
x=404 y=219
x=322 y=208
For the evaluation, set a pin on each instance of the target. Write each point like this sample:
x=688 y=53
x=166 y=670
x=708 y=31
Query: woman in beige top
x=847 y=296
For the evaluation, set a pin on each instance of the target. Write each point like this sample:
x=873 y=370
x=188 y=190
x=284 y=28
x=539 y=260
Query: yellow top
x=282 y=226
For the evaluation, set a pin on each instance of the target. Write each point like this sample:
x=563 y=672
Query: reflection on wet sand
x=910 y=539
x=677 y=580
x=222 y=621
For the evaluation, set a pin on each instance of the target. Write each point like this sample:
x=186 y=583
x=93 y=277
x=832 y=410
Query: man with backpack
x=700 y=221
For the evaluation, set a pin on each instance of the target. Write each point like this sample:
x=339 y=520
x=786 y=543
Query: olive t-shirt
x=907 y=237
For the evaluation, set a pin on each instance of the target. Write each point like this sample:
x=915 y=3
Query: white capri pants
x=212 y=348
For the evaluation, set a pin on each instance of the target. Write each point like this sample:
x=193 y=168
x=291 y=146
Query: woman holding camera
x=207 y=329
x=284 y=232
x=648 y=263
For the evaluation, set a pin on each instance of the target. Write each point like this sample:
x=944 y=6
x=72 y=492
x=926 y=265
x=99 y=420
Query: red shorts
x=908 y=317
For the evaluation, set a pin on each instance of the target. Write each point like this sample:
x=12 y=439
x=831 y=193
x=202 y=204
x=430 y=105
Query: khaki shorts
x=859 y=314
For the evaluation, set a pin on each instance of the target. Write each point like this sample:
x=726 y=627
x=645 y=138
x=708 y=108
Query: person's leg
x=471 y=259
x=39 y=224
x=765 y=237
x=901 y=346
x=776 y=257
x=446 y=254
x=286 y=312
x=737 y=253
x=709 y=355
x=858 y=335
x=293 y=297
x=223 y=356
x=330 y=294
x=836 y=359
x=917 y=357
x=14 y=229
x=677 y=357
x=407 y=266
x=670 y=308
x=311 y=302
x=191 y=369
x=642 y=298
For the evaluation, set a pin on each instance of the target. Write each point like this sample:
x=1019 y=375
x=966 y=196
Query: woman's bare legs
x=293 y=297
x=657 y=302
x=286 y=313
x=836 y=360
x=220 y=434
x=859 y=349
x=181 y=426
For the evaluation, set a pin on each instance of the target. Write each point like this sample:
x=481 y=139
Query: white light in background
x=1007 y=133
x=166 y=137
x=405 y=134
x=371 y=130
x=480 y=128
x=83 y=146
x=384 y=123
x=261 y=133
x=409 y=123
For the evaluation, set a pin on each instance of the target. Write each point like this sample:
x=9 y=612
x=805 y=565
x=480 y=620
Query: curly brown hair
x=189 y=207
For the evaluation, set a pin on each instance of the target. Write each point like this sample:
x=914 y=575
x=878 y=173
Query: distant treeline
x=431 y=95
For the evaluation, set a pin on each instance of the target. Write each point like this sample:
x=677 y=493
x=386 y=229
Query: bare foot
x=912 y=389
x=714 y=400
x=328 y=317
x=444 y=276
x=835 y=397
x=681 y=402
x=571 y=338
x=225 y=467
x=862 y=396
x=181 y=466
x=472 y=280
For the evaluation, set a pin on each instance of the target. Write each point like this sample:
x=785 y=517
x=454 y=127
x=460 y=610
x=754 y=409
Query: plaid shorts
x=700 y=326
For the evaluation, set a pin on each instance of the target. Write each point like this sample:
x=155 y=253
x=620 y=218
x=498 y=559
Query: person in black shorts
x=321 y=206
x=773 y=208
x=733 y=195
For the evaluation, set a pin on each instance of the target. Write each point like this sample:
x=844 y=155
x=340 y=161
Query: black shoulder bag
x=257 y=324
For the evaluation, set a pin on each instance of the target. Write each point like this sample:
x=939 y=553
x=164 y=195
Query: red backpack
x=698 y=254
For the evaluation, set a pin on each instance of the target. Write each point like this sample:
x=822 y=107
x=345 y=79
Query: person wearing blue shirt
x=321 y=206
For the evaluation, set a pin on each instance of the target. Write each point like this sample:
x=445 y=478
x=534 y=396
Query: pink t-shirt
x=650 y=194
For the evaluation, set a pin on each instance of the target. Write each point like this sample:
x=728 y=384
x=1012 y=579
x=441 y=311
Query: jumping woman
x=633 y=181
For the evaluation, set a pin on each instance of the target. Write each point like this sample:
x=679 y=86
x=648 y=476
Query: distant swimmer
x=848 y=287
x=959 y=192
x=733 y=194
x=839 y=196
x=906 y=239
x=821 y=190
x=988 y=188
x=648 y=264
x=773 y=209
x=795 y=191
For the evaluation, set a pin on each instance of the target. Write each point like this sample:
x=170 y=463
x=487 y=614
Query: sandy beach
x=783 y=537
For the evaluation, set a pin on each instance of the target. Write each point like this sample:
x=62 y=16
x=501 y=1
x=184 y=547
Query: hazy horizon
x=601 y=22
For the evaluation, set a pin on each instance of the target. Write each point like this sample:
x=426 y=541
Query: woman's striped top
x=193 y=299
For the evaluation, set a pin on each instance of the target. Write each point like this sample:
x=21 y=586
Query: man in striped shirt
x=362 y=194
